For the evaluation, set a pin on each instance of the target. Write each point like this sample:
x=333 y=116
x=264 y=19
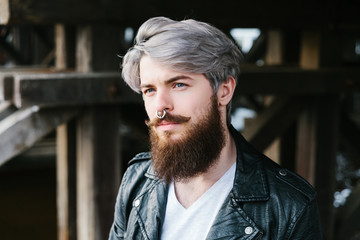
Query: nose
x=163 y=101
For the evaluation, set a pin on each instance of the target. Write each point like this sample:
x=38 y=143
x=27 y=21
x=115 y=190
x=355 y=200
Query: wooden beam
x=295 y=81
x=295 y=14
x=71 y=89
x=273 y=121
x=52 y=89
x=7 y=79
x=22 y=129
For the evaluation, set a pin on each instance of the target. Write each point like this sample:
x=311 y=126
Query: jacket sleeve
x=307 y=225
x=118 y=227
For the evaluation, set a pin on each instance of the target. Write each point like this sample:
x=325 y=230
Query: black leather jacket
x=266 y=202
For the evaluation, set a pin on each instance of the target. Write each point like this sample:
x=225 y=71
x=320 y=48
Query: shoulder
x=138 y=166
x=287 y=184
x=276 y=182
x=140 y=158
x=136 y=177
x=135 y=174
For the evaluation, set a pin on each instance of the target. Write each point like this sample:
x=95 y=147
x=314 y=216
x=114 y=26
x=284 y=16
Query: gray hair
x=187 y=46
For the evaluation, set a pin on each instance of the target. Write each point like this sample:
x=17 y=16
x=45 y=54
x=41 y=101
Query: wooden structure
x=83 y=96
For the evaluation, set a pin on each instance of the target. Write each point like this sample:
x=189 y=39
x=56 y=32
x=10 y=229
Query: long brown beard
x=194 y=153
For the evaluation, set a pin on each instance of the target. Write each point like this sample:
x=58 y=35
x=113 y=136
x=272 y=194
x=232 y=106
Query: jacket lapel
x=150 y=207
x=232 y=223
x=250 y=184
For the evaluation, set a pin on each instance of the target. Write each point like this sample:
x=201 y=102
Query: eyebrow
x=171 y=80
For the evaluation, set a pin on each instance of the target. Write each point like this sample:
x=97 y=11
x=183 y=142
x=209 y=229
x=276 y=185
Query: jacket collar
x=250 y=182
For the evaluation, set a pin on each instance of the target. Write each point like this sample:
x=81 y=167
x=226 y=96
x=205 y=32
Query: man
x=202 y=180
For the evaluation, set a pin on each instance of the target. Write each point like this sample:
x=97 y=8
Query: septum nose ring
x=161 y=116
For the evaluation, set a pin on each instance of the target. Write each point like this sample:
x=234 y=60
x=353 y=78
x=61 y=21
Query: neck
x=187 y=192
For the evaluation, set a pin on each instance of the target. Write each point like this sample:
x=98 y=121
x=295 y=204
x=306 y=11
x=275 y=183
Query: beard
x=196 y=150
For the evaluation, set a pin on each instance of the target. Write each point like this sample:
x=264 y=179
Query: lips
x=164 y=123
x=166 y=126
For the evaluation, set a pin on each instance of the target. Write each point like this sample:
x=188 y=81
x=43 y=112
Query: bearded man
x=201 y=179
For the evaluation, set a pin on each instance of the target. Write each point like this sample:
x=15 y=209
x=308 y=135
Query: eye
x=148 y=91
x=179 y=85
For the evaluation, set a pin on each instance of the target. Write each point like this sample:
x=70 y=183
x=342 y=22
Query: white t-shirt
x=195 y=222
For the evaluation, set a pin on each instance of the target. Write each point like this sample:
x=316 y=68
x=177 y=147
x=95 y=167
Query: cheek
x=149 y=110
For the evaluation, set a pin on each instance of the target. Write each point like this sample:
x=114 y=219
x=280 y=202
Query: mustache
x=169 y=118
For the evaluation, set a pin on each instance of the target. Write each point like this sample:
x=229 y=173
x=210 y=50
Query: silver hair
x=187 y=46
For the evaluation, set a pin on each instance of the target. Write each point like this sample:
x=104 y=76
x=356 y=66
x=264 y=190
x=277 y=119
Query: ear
x=226 y=91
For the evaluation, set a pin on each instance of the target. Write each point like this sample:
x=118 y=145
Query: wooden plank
x=71 y=89
x=22 y=129
x=305 y=13
x=273 y=121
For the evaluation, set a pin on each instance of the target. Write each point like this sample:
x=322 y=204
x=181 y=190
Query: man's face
x=187 y=95
x=189 y=139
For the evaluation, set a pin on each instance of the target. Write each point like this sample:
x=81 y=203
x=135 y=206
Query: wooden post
x=98 y=174
x=66 y=180
x=98 y=150
x=310 y=50
x=64 y=47
x=306 y=144
x=326 y=151
x=274 y=56
x=317 y=137
x=65 y=150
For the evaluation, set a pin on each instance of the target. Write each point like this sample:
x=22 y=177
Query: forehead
x=151 y=69
x=153 y=72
